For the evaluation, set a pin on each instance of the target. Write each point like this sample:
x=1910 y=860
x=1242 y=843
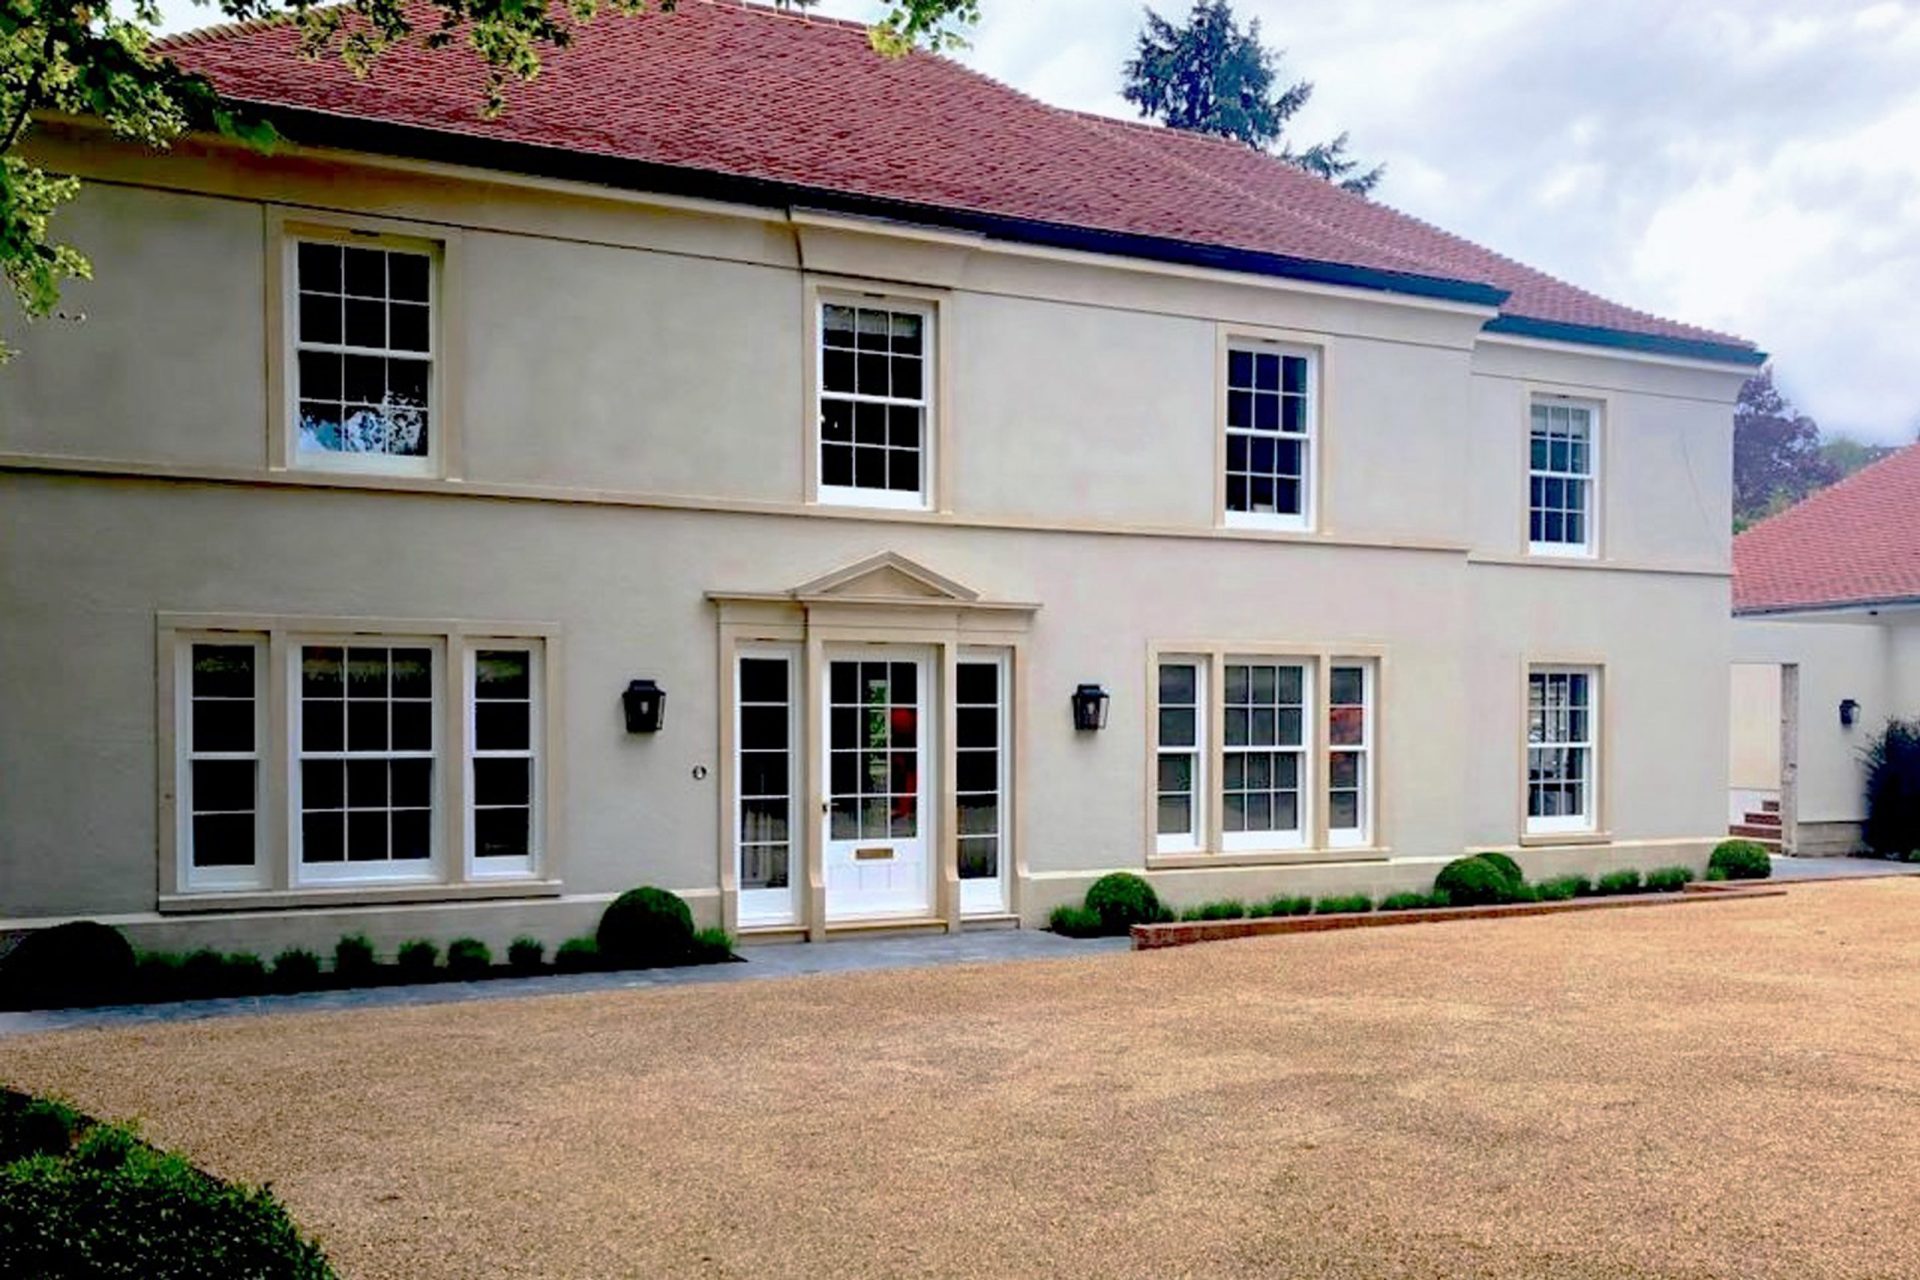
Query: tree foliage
x=81 y=57
x=1211 y=76
x=1776 y=452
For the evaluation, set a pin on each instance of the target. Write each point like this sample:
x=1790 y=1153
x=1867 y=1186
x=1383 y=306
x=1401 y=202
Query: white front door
x=880 y=747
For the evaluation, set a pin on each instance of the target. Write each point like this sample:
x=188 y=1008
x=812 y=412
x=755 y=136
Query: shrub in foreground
x=1074 y=921
x=1740 y=860
x=1413 y=901
x=712 y=946
x=1475 y=881
x=1615 y=882
x=1342 y=903
x=526 y=954
x=1892 y=759
x=1122 y=900
x=1563 y=888
x=468 y=958
x=296 y=969
x=417 y=958
x=34 y=1127
x=353 y=958
x=577 y=955
x=1224 y=909
x=111 y=1206
x=644 y=928
x=1282 y=906
x=77 y=963
x=1505 y=865
x=1669 y=879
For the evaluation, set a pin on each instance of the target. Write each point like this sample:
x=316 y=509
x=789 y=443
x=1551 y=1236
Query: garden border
x=1181 y=933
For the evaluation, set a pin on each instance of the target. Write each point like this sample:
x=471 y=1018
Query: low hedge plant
x=1617 y=882
x=526 y=955
x=1122 y=900
x=1669 y=879
x=1283 y=905
x=353 y=958
x=712 y=946
x=646 y=928
x=577 y=955
x=296 y=969
x=468 y=958
x=417 y=959
x=1224 y=909
x=1342 y=904
x=1563 y=888
x=1414 y=901
x=1478 y=880
x=1740 y=860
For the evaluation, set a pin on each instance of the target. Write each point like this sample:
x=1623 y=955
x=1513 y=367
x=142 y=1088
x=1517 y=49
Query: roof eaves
x=1826 y=606
x=320 y=128
x=1624 y=340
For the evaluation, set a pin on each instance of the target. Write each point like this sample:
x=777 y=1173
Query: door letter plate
x=875 y=853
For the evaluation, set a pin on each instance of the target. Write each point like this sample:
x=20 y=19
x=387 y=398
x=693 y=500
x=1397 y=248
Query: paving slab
x=1788 y=868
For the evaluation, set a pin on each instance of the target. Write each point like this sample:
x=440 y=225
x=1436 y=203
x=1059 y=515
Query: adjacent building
x=974 y=497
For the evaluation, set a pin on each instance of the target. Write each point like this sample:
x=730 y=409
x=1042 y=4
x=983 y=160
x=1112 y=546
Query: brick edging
x=1150 y=937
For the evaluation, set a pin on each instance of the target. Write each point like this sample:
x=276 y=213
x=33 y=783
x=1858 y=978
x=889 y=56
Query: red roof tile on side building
x=728 y=88
x=1857 y=542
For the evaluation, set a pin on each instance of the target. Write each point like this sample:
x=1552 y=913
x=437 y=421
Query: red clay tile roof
x=1854 y=543
x=754 y=92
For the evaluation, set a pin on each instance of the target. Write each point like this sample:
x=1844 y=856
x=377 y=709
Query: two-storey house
x=990 y=496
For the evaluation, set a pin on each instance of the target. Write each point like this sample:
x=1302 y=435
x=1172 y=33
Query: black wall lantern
x=646 y=704
x=1849 y=712
x=1090 y=707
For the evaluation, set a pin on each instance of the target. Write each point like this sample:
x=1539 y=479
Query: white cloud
x=1745 y=164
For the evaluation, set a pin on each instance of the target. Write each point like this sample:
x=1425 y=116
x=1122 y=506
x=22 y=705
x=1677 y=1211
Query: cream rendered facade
x=626 y=478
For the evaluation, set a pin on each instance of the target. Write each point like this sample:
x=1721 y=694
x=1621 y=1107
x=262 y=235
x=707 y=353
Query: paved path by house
x=1840 y=868
x=772 y=960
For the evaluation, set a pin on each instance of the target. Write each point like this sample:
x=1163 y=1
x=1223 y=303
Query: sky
x=1748 y=165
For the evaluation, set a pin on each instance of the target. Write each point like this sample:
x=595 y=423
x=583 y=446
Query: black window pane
x=223 y=670
x=407 y=382
x=365 y=380
x=1236 y=493
x=367 y=836
x=366 y=726
x=836 y=421
x=763 y=773
x=836 y=464
x=870 y=374
x=410 y=782
x=319 y=267
x=407 y=276
x=319 y=317
x=870 y=468
x=977 y=771
x=903 y=470
x=906 y=683
x=323 y=784
x=413 y=726
x=495 y=782
x=322 y=726
x=845 y=684
x=502 y=674
x=1294 y=375
x=412 y=834
x=979 y=858
x=903 y=427
x=412 y=671
x=322 y=837
x=366 y=272
x=222 y=725
x=320 y=670
x=223 y=786
x=366 y=784
x=498 y=833
x=836 y=371
x=869 y=424
x=1266 y=371
x=1266 y=413
x=763 y=680
x=978 y=682
x=223 y=840
x=408 y=327
x=906 y=378
x=320 y=375
x=836 y=326
x=1179 y=682
x=1240 y=409
x=501 y=726
x=366 y=323
x=1239 y=368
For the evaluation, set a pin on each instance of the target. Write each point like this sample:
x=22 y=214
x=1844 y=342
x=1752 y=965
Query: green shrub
x=644 y=928
x=115 y=1207
x=577 y=955
x=469 y=958
x=81 y=962
x=1669 y=879
x=712 y=946
x=1615 y=882
x=1475 y=881
x=1224 y=909
x=1717 y=873
x=156 y=975
x=242 y=974
x=1561 y=888
x=1074 y=921
x=1410 y=901
x=296 y=969
x=1339 y=903
x=203 y=974
x=34 y=1127
x=1892 y=758
x=1122 y=900
x=526 y=954
x=1283 y=905
x=417 y=958
x=353 y=958
x=1741 y=860
x=1507 y=866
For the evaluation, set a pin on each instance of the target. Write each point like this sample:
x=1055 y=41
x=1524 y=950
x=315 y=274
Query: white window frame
x=1301 y=836
x=1194 y=839
x=1361 y=836
x=1304 y=520
x=433 y=869
x=191 y=877
x=1588 y=547
x=769 y=908
x=854 y=495
x=1586 y=821
x=982 y=895
x=292 y=345
x=507 y=868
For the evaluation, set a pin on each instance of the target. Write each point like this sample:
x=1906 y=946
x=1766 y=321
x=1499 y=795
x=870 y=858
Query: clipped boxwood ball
x=1741 y=860
x=1473 y=882
x=1122 y=900
x=77 y=963
x=645 y=927
x=1507 y=866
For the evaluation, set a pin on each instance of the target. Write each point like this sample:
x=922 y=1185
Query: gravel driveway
x=1723 y=1090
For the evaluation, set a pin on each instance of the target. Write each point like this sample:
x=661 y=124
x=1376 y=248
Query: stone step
x=1753 y=819
x=1771 y=806
x=1768 y=836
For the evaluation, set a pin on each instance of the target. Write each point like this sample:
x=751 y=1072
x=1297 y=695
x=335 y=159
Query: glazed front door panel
x=879 y=749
